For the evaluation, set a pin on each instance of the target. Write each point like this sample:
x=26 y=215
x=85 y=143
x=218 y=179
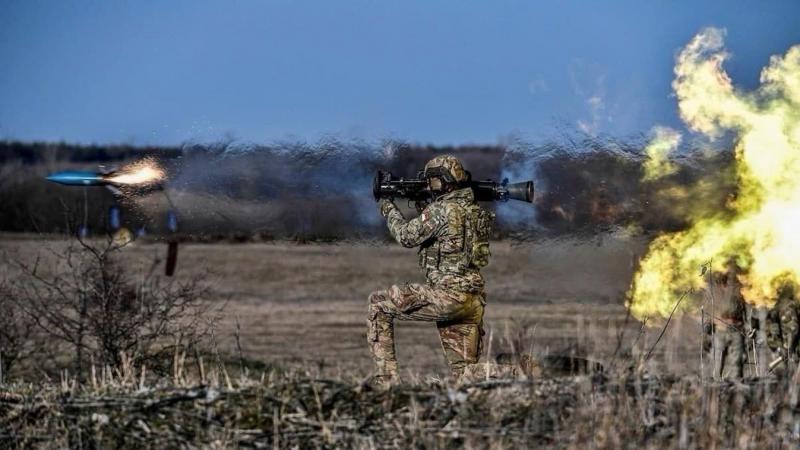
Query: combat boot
x=385 y=376
x=383 y=381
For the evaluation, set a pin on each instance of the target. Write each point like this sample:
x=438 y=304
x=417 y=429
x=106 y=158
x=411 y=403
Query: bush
x=106 y=315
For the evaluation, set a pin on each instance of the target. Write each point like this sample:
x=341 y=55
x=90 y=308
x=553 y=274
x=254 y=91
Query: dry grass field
x=305 y=304
x=299 y=311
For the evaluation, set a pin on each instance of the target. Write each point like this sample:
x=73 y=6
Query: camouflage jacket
x=445 y=233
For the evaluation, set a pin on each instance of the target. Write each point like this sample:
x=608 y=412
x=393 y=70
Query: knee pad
x=378 y=296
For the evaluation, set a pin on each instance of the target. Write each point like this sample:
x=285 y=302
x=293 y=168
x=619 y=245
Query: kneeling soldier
x=452 y=234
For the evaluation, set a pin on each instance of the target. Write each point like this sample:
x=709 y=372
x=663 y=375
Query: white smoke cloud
x=588 y=82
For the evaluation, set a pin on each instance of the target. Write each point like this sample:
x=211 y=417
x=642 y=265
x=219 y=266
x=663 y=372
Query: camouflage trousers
x=458 y=317
x=783 y=330
x=727 y=351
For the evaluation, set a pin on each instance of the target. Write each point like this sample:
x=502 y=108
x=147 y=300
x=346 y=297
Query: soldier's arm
x=411 y=233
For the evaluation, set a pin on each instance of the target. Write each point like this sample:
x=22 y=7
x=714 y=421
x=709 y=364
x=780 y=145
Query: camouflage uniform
x=783 y=328
x=726 y=345
x=452 y=233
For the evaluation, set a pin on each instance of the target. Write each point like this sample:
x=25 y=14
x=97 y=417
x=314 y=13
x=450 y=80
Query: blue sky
x=442 y=72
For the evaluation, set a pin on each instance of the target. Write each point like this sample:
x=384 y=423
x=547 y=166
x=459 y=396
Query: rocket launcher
x=385 y=185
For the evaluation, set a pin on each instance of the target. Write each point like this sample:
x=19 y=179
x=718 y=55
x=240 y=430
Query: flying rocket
x=142 y=175
x=138 y=178
x=80 y=178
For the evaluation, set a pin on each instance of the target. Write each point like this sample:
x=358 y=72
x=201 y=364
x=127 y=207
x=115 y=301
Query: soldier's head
x=784 y=286
x=444 y=174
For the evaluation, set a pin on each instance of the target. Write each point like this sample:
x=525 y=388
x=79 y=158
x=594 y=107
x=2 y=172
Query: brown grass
x=297 y=410
x=301 y=303
x=300 y=310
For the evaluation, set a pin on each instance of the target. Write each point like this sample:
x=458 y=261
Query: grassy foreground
x=283 y=410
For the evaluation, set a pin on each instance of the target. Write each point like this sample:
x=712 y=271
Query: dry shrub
x=18 y=337
x=89 y=301
x=292 y=410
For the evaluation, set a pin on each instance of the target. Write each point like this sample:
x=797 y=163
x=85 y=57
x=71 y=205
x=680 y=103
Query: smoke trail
x=288 y=188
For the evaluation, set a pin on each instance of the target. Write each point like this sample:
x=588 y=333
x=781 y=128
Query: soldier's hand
x=386 y=207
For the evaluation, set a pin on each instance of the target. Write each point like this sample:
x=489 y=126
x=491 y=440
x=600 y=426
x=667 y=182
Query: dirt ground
x=301 y=304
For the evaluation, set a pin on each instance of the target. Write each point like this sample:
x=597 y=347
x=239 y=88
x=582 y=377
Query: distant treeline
x=323 y=190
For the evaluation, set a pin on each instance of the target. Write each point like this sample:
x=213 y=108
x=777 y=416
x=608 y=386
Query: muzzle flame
x=144 y=172
x=759 y=229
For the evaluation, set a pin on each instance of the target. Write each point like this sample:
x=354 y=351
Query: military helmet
x=446 y=167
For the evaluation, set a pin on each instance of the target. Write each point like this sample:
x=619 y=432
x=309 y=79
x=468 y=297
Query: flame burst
x=143 y=172
x=760 y=229
x=665 y=141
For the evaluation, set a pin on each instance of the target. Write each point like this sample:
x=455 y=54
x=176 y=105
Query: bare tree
x=88 y=300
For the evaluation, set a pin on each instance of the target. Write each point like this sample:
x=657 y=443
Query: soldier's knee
x=376 y=313
x=373 y=312
x=376 y=305
x=378 y=296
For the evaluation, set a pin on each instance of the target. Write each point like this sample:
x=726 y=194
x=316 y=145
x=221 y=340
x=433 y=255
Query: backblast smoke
x=757 y=226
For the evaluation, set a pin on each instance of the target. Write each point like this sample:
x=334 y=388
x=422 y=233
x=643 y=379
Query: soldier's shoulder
x=434 y=212
x=450 y=207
